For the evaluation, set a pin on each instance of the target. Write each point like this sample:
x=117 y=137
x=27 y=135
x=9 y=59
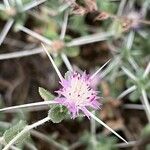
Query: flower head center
x=78 y=89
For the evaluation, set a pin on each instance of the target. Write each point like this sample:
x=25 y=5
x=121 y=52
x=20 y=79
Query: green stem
x=93 y=131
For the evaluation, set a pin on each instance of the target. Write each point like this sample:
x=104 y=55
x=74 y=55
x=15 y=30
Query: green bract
x=45 y=94
x=57 y=113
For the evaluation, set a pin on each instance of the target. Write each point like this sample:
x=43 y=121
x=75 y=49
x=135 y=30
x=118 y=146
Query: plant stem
x=62 y=36
x=48 y=139
x=35 y=35
x=146 y=104
x=99 y=70
x=53 y=63
x=90 y=39
x=2 y=142
x=133 y=63
x=64 y=26
x=133 y=106
x=66 y=61
x=123 y=145
x=106 y=126
x=111 y=66
x=147 y=70
x=130 y=40
x=19 y=54
x=32 y=4
x=127 y=91
x=6 y=3
x=28 y=105
x=129 y=74
x=121 y=7
x=5 y=30
x=25 y=130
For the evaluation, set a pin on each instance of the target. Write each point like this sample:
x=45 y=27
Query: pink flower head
x=77 y=94
x=134 y=18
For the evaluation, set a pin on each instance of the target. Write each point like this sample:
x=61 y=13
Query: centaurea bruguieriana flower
x=77 y=94
x=132 y=20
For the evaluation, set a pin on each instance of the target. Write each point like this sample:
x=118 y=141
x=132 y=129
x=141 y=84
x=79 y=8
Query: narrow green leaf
x=14 y=130
x=45 y=94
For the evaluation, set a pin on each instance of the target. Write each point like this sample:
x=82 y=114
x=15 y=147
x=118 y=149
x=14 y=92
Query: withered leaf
x=102 y=16
x=79 y=10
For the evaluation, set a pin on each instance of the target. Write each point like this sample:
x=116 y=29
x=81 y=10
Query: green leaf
x=50 y=29
x=134 y=96
x=77 y=23
x=107 y=6
x=14 y=130
x=72 y=51
x=45 y=94
x=146 y=131
x=4 y=16
x=116 y=27
x=57 y=113
x=58 y=61
x=20 y=20
x=148 y=147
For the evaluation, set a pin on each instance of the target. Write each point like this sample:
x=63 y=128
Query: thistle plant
x=141 y=84
x=75 y=94
x=121 y=30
